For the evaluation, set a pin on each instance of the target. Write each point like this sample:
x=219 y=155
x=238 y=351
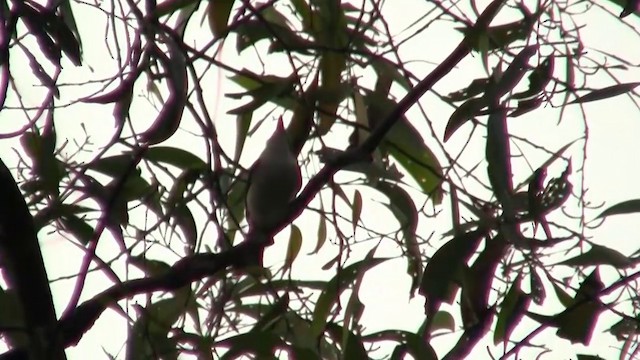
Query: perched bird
x=274 y=181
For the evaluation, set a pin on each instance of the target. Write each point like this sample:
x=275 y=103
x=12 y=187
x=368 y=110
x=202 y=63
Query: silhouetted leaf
x=403 y=208
x=168 y=119
x=293 y=247
x=410 y=343
x=599 y=255
x=334 y=288
x=218 y=12
x=578 y=321
x=605 y=93
x=512 y=309
x=438 y=280
x=625 y=207
x=465 y=112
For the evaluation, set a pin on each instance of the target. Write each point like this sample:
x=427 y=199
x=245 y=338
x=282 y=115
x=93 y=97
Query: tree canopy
x=449 y=137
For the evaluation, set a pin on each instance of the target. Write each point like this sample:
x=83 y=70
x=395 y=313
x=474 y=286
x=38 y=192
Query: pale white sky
x=612 y=174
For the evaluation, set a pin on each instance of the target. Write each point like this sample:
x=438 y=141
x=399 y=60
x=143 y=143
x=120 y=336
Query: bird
x=274 y=181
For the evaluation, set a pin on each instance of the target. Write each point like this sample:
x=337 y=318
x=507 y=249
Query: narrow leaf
x=605 y=93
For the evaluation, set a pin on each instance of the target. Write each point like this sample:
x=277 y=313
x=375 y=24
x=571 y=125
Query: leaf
x=605 y=93
x=438 y=280
x=352 y=344
x=465 y=112
x=476 y=87
x=243 y=122
x=149 y=335
x=334 y=288
x=410 y=343
x=499 y=36
x=322 y=235
x=515 y=71
x=218 y=12
x=498 y=155
x=293 y=248
x=443 y=320
x=565 y=299
x=169 y=118
x=403 y=208
x=356 y=210
x=538 y=292
x=625 y=207
x=599 y=255
x=538 y=79
x=405 y=143
x=512 y=309
x=578 y=321
x=262 y=89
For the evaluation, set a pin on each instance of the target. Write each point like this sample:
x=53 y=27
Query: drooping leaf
x=476 y=87
x=538 y=292
x=322 y=234
x=409 y=343
x=538 y=79
x=262 y=89
x=515 y=71
x=465 y=112
x=293 y=247
x=403 y=208
x=356 y=209
x=605 y=93
x=599 y=255
x=498 y=156
x=499 y=36
x=439 y=278
x=169 y=118
x=218 y=12
x=625 y=207
x=336 y=286
x=407 y=146
x=513 y=308
x=578 y=321
x=149 y=335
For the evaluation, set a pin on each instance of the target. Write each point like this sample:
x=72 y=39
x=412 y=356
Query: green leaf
x=322 y=234
x=498 y=155
x=169 y=118
x=403 y=208
x=625 y=207
x=513 y=308
x=476 y=87
x=262 y=89
x=352 y=348
x=565 y=299
x=218 y=12
x=293 y=248
x=442 y=320
x=578 y=321
x=515 y=71
x=78 y=227
x=465 y=112
x=589 y=357
x=605 y=93
x=538 y=79
x=336 y=286
x=599 y=255
x=149 y=335
x=439 y=278
x=499 y=36
x=406 y=145
x=410 y=343
x=356 y=210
